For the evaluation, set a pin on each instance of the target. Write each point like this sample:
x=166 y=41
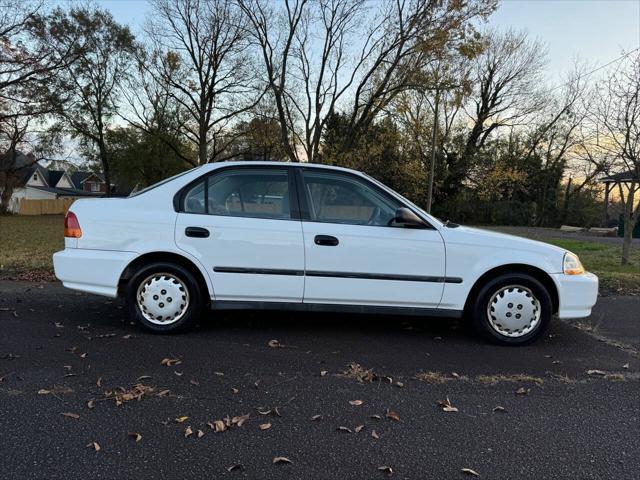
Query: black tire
x=185 y=282
x=480 y=314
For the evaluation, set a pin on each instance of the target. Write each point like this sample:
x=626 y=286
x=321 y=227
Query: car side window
x=336 y=198
x=245 y=192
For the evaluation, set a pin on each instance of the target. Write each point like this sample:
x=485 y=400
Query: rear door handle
x=326 y=240
x=196 y=232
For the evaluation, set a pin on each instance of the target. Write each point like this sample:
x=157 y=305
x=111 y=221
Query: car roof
x=216 y=165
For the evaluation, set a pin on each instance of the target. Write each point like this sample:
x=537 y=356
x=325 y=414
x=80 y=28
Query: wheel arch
x=163 y=256
x=537 y=273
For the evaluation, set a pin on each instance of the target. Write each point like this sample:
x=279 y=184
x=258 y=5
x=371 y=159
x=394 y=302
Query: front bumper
x=92 y=271
x=577 y=294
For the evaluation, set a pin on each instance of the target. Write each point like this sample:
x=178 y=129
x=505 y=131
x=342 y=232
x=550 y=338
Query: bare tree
x=368 y=56
x=83 y=94
x=508 y=79
x=616 y=115
x=201 y=55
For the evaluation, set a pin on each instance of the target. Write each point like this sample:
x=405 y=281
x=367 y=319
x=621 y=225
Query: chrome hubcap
x=163 y=298
x=513 y=311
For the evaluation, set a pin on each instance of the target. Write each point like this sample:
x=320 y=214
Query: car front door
x=355 y=254
x=239 y=222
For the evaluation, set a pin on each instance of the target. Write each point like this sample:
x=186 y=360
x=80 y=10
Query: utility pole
x=434 y=139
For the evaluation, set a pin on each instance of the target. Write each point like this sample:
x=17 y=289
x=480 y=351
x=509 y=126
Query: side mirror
x=406 y=218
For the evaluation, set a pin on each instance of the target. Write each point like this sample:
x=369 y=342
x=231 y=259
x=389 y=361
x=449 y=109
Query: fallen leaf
x=181 y=419
x=377 y=417
x=392 y=415
x=265 y=426
x=281 y=460
x=163 y=393
x=344 y=429
x=83 y=355
x=239 y=420
x=522 y=391
x=447 y=406
x=177 y=373
x=375 y=434
x=91 y=403
x=99 y=382
x=625 y=366
x=499 y=409
x=323 y=373
x=70 y=415
x=274 y=344
x=468 y=471
x=144 y=377
x=387 y=470
x=235 y=390
x=359 y=428
x=135 y=435
x=315 y=418
x=596 y=372
x=200 y=434
x=235 y=467
x=218 y=426
x=194 y=382
x=399 y=384
x=95 y=446
x=44 y=391
x=188 y=431
x=455 y=375
x=356 y=403
x=127 y=336
x=170 y=362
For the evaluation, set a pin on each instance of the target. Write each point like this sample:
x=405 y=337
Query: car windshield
x=161 y=182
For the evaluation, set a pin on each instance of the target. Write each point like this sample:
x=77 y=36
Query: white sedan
x=260 y=235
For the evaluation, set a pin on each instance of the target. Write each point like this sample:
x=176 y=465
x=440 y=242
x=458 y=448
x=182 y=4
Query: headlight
x=571 y=264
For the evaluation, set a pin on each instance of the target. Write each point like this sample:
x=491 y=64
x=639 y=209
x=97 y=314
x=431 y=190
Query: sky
x=593 y=31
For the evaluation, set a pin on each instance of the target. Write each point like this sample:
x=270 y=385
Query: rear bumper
x=93 y=271
x=577 y=294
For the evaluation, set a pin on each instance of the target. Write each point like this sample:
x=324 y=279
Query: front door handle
x=196 y=232
x=327 y=240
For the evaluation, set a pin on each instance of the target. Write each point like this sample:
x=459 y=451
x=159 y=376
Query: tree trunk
x=104 y=159
x=5 y=197
x=629 y=221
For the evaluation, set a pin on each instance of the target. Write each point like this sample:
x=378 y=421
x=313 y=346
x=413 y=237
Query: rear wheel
x=512 y=309
x=164 y=297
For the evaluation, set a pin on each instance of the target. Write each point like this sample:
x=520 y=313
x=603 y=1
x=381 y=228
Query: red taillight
x=72 y=226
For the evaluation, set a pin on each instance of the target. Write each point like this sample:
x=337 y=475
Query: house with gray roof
x=35 y=182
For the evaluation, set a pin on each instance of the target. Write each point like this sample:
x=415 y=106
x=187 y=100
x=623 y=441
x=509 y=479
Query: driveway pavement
x=529 y=412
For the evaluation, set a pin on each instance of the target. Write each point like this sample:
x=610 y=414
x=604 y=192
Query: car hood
x=476 y=236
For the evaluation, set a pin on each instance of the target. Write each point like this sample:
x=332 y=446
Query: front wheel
x=512 y=309
x=164 y=297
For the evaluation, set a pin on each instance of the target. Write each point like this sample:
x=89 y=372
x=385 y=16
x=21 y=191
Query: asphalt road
x=60 y=350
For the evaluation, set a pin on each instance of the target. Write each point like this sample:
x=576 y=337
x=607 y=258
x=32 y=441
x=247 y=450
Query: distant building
x=36 y=182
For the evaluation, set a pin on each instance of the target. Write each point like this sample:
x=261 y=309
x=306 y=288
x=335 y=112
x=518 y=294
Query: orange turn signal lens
x=572 y=264
x=72 y=226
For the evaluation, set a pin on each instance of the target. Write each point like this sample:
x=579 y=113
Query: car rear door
x=243 y=224
x=353 y=253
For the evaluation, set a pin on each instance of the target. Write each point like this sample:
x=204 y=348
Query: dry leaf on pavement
x=281 y=460
x=95 y=446
x=392 y=415
x=447 y=406
x=356 y=403
x=265 y=426
x=135 y=435
x=471 y=472
x=385 y=469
